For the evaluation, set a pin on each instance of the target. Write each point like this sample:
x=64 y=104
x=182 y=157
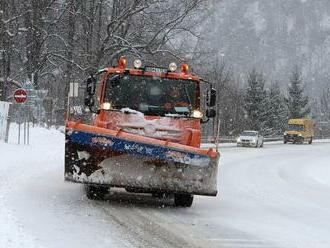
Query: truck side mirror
x=210 y=113
x=91 y=85
x=89 y=101
x=90 y=90
x=213 y=98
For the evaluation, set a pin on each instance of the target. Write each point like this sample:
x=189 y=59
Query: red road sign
x=20 y=95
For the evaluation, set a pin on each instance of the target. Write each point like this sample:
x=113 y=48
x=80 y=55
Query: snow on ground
x=279 y=193
x=276 y=196
x=37 y=209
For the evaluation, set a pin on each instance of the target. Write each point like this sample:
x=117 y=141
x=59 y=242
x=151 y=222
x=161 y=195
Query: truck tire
x=96 y=192
x=183 y=200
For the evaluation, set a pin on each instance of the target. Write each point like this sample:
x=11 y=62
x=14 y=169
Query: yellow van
x=299 y=131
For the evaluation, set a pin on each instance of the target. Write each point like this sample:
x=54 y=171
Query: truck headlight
x=172 y=67
x=106 y=106
x=238 y=139
x=196 y=114
x=137 y=64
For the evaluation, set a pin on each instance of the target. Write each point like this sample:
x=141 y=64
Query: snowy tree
x=106 y=30
x=229 y=106
x=277 y=110
x=5 y=37
x=53 y=43
x=3 y=58
x=297 y=101
x=8 y=33
x=256 y=102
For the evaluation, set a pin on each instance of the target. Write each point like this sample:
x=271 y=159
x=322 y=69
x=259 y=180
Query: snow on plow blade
x=102 y=156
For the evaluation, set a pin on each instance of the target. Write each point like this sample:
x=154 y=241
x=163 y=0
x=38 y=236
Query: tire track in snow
x=148 y=223
x=146 y=228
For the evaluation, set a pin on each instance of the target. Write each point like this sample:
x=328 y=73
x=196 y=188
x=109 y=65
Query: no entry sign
x=20 y=95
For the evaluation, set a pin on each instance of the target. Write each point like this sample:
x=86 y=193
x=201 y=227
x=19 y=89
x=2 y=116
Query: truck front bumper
x=293 y=138
x=95 y=158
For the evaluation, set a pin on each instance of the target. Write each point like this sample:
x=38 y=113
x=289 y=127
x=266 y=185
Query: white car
x=250 y=138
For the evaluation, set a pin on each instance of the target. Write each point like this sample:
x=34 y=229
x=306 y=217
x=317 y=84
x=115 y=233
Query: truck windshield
x=151 y=95
x=295 y=127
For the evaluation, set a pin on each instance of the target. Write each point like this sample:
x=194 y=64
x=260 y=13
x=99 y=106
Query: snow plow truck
x=143 y=134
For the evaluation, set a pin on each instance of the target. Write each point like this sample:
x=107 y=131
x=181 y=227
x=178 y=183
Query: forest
x=50 y=44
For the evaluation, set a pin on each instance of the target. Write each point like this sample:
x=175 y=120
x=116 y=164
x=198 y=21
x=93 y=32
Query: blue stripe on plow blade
x=138 y=148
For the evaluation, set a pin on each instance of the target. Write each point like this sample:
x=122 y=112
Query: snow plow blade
x=96 y=155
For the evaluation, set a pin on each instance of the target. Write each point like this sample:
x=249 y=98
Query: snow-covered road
x=277 y=196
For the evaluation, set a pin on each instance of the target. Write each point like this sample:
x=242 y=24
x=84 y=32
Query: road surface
x=276 y=196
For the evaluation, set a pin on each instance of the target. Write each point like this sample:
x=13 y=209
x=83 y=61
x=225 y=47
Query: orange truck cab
x=145 y=134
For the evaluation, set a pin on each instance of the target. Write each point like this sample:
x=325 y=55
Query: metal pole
x=217 y=135
x=28 y=129
x=24 y=128
x=19 y=123
x=8 y=124
x=68 y=109
x=7 y=129
x=32 y=79
x=19 y=132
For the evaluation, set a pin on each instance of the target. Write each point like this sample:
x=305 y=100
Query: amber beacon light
x=122 y=63
x=185 y=68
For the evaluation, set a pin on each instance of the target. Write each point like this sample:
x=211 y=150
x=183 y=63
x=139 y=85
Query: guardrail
x=234 y=139
x=266 y=139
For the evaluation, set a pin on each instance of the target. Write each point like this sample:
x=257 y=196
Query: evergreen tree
x=297 y=102
x=256 y=102
x=277 y=110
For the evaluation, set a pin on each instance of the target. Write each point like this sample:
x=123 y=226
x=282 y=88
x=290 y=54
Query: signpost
x=21 y=96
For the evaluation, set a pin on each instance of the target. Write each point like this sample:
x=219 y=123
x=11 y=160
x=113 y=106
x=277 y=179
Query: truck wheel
x=183 y=200
x=310 y=141
x=94 y=192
